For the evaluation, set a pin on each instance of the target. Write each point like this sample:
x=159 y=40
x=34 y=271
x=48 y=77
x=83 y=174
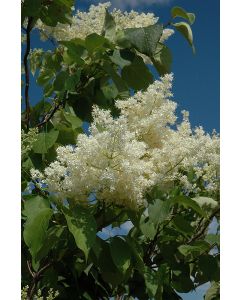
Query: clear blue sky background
x=196 y=85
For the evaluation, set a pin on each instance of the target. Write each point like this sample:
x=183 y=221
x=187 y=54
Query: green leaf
x=213 y=293
x=187 y=202
x=122 y=57
x=152 y=281
x=182 y=225
x=121 y=253
x=76 y=50
x=73 y=120
x=45 y=140
x=31 y=8
x=159 y=211
x=196 y=248
x=213 y=239
x=148 y=229
x=180 y=12
x=59 y=82
x=109 y=26
x=185 y=29
x=83 y=227
x=206 y=202
x=45 y=75
x=162 y=59
x=95 y=42
x=119 y=82
x=144 y=39
x=137 y=75
x=38 y=214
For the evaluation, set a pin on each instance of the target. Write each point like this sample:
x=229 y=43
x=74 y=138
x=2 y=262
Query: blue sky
x=196 y=86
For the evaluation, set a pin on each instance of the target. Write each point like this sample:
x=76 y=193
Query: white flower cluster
x=125 y=156
x=85 y=23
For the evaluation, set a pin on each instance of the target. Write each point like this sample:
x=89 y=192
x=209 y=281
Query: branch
x=25 y=61
x=205 y=226
x=36 y=277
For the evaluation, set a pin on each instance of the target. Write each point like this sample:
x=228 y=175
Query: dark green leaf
x=59 y=82
x=122 y=57
x=137 y=75
x=187 y=202
x=162 y=59
x=182 y=225
x=121 y=253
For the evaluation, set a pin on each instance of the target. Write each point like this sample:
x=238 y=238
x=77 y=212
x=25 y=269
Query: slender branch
x=50 y=115
x=25 y=61
x=204 y=228
x=36 y=277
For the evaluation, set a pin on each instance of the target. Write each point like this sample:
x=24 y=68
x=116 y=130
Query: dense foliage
x=103 y=147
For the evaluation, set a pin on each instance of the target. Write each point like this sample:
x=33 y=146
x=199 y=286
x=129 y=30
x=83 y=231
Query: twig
x=25 y=61
x=202 y=231
x=36 y=277
x=50 y=115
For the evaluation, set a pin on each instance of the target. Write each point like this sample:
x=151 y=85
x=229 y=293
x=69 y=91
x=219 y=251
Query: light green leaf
x=213 y=238
x=185 y=29
x=144 y=39
x=38 y=214
x=83 y=227
x=121 y=253
x=180 y=12
x=206 y=202
x=148 y=229
x=45 y=140
x=213 y=293
x=159 y=211
x=73 y=120
x=196 y=247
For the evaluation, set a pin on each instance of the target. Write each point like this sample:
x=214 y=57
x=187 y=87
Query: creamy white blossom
x=85 y=23
x=124 y=157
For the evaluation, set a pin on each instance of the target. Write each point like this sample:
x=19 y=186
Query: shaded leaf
x=45 y=140
x=121 y=253
x=137 y=74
